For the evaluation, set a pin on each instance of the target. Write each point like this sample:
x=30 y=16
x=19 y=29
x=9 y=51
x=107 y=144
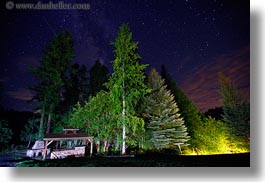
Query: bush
x=211 y=137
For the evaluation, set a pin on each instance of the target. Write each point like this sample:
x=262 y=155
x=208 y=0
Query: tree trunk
x=42 y=119
x=49 y=120
x=123 y=152
x=117 y=144
x=98 y=146
x=105 y=146
x=48 y=123
x=29 y=141
x=123 y=148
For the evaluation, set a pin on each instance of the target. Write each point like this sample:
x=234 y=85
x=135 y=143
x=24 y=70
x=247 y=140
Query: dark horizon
x=194 y=40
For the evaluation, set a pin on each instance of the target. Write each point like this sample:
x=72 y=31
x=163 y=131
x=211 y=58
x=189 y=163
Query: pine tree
x=188 y=109
x=235 y=108
x=84 y=84
x=77 y=88
x=51 y=75
x=164 y=122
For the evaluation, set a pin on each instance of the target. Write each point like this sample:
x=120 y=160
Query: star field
x=184 y=35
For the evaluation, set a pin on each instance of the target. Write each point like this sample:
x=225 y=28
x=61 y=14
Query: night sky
x=194 y=39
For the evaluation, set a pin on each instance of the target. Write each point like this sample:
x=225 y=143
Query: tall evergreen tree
x=77 y=88
x=126 y=83
x=188 y=110
x=235 y=108
x=98 y=76
x=51 y=75
x=71 y=93
x=166 y=126
x=84 y=84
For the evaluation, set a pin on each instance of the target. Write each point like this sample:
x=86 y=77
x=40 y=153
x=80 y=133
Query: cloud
x=20 y=94
x=202 y=86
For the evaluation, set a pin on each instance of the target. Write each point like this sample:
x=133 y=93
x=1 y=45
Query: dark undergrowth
x=146 y=160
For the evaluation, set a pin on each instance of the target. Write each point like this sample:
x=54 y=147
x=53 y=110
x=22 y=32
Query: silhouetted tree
x=77 y=88
x=216 y=113
x=51 y=75
x=98 y=76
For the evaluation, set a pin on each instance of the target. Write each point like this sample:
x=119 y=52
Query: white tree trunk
x=105 y=146
x=123 y=148
x=123 y=152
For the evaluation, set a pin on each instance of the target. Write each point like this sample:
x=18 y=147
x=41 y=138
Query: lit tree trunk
x=42 y=118
x=49 y=120
x=30 y=135
x=123 y=152
x=105 y=146
x=29 y=141
x=41 y=123
x=98 y=146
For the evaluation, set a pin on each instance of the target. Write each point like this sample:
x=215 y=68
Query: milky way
x=191 y=38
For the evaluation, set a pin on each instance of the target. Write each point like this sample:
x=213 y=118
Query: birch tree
x=126 y=84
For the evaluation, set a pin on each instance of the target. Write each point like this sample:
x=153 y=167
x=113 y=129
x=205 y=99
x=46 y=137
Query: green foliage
x=211 y=137
x=51 y=74
x=235 y=107
x=126 y=83
x=30 y=131
x=188 y=110
x=6 y=134
x=128 y=77
x=94 y=116
x=167 y=128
